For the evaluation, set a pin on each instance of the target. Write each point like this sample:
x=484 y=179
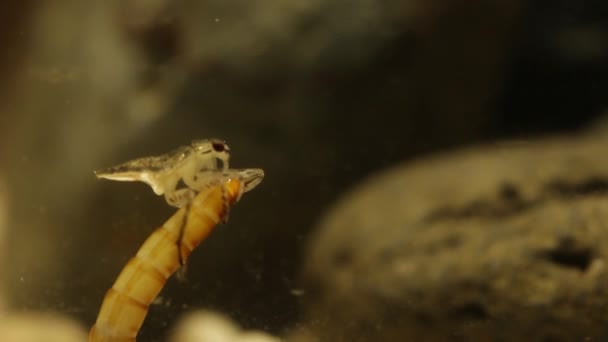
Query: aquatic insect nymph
x=165 y=173
x=209 y=191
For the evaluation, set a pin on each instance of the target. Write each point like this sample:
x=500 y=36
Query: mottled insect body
x=176 y=174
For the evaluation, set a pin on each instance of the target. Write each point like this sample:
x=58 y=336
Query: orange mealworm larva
x=125 y=305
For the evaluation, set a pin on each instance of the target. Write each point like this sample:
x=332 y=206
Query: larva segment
x=126 y=304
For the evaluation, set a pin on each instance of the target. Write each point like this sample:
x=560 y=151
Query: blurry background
x=319 y=94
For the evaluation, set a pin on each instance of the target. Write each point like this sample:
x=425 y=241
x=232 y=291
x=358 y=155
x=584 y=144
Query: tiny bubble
x=157 y=301
x=297 y=292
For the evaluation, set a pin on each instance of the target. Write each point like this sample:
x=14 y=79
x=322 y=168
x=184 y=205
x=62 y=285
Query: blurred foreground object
x=501 y=242
x=37 y=327
x=3 y=220
x=205 y=326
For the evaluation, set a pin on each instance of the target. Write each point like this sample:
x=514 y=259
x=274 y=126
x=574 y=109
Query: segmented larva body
x=125 y=305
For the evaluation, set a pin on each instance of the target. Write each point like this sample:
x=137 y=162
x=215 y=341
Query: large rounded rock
x=503 y=242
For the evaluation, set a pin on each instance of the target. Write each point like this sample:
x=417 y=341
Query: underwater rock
x=502 y=242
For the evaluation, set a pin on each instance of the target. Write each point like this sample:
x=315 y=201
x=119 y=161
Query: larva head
x=250 y=178
x=239 y=181
x=215 y=148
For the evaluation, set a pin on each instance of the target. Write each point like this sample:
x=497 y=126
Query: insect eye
x=219 y=147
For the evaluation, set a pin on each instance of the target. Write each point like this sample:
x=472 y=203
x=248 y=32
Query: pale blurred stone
x=504 y=242
x=35 y=327
x=204 y=326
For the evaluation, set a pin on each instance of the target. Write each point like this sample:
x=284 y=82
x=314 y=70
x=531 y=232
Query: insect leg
x=190 y=194
x=226 y=204
x=180 y=198
x=201 y=179
x=180 y=235
x=217 y=177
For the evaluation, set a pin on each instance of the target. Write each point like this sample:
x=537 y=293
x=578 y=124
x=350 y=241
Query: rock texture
x=497 y=243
